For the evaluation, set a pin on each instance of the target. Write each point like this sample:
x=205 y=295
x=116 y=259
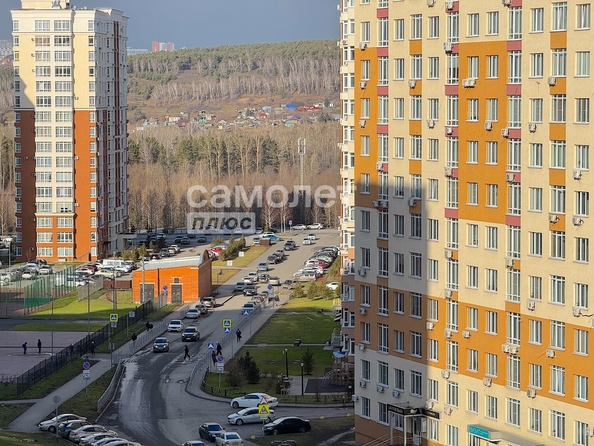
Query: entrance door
x=176 y=293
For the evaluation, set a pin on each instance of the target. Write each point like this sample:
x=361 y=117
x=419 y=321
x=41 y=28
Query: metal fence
x=41 y=291
x=113 y=385
x=79 y=349
x=83 y=292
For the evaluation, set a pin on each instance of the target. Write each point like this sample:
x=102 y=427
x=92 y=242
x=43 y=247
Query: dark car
x=178 y=239
x=209 y=431
x=249 y=290
x=65 y=428
x=190 y=334
x=272 y=259
x=201 y=239
x=287 y=425
x=155 y=256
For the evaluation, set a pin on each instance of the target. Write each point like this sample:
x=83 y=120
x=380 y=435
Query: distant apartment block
x=162 y=46
x=71 y=145
x=5 y=48
x=135 y=51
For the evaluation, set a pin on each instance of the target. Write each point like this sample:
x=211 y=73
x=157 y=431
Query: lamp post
x=286 y=353
x=142 y=287
x=52 y=299
x=301 y=153
x=302 y=379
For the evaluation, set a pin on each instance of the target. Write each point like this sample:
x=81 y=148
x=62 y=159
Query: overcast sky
x=205 y=23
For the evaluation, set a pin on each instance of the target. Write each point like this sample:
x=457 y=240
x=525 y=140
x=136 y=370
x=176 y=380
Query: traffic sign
x=227 y=323
x=269 y=287
x=290 y=222
x=164 y=287
x=227 y=330
x=114 y=325
x=220 y=358
x=220 y=367
x=86 y=374
x=113 y=317
x=246 y=312
x=211 y=346
x=263 y=402
x=86 y=365
x=264 y=410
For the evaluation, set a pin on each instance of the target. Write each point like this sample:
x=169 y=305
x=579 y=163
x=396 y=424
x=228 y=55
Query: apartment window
x=416 y=26
x=452 y=193
x=365 y=295
x=557 y=289
x=536 y=65
x=581 y=387
x=536 y=110
x=383 y=333
x=492 y=109
x=432 y=270
x=453 y=27
x=491 y=280
x=491 y=364
x=492 y=67
x=581 y=342
x=472 y=281
x=582 y=63
x=399 y=29
x=558 y=380
x=515 y=23
x=434 y=27
x=515 y=67
x=365 y=257
x=536 y=243
x=472 y=194
x=535 y=332
x=535 y=155
x=41 y=25
x=365 y=407
x=492 y=195
x=62 y=71
x=452 y=393
x=452 y=70
x=452 y=315
x=582 y=110
x=398 y=225
x=473 y=109
x=535 y=420
x=558 y=245
x=537 y=20
x=452 y=275
x=473 y=25
x=559 y=22
x=581 y=295
x=583 y=16
x=558 y=150
x=416 y=108
x=535 y=199
x=491 y=322
x=492 y=23
x=492 y=150
x=432 y=229
x=383 y=32
x=452 y=356
x=433 y=109
x=514 y=117
x=558 y=199
x=365 y=221
x=383 y=266
x=557 y=334
x=365 y=69
x=491 y=407
x=365 y=183
x=416 y=265
x=582 y=249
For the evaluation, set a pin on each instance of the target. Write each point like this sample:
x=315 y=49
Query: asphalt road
x=153 y=406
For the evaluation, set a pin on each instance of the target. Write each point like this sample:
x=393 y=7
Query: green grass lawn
x=68 y=307
x=10 y=412
x=42 y=439
x=305 y=305
x=222 y=275
x=122 y=337
x=321 y=430
x=241 y=262
x=58 y=326
x=285 y=328
x=84 y=403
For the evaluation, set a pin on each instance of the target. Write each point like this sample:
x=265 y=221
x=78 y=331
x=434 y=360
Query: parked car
x=176 y=249
x=307 y=241
x=164 y=253
x=210 y=431
x=52 y=424
x=185 y=240
x=312 y=236
x=249 y=280
x=315 y=226
x=155 y=256
x=262 y=266
x=249 y=415
x=178 y=239
x=272 y=259
x=45 y=270
x=263 y=278
x=175 y=325
x=274 y=280
x=93 y=438
x=201 y=239
x=229 y=438
x=65 y=428
x=289 y=283
x=252 y=400
x=84 y=431
x=194 y=443
x=209 y=302
x=256 y=240
x=248 y=306
x=239 y=286
x=287 y=425
x=201 y=309
x=192 y=313
x=29 y=274
x=333 y=285
x=161 y=345
x=190 y=334
x=300 y=227
x=272 y=238
x=249 y=290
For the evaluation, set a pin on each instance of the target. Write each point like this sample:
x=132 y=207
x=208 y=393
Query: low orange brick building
x=186 y=279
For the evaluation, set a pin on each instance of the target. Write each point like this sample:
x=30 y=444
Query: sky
x=207 y=23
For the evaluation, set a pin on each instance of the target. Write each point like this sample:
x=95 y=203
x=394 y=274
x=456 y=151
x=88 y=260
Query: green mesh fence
x=43 y=288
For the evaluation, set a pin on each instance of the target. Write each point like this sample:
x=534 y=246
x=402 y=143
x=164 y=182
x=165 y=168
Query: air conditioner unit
x=488 y=125
x=553 y=218
x=577 y=174
x=506 y=2
x=380 y=389
x=487 y=382
x=448 y=254
x=375 y=203
x=344 y=42
x=532 y=127
x=509 y=262
x=362 y=45
x=505 y=132
x=552 y=81
x=412 y=201
x=362 y=272
x=530 y=392
x=354 y=398
x=449 y=130
x=448 y=47
x=510 y=177
x=363 y=84
x=469 y=82
x=531 y=305
x=362 y=310
x=513 y=349
x=448 y=171
x=577 y=221
x=379 y=166
x=77 y=204
x=395 y=393
x=445 y=374
x=361 y=345
x=430 y=3
x=447 y=410
x=466 y=334
x=576 y=311
x=430 y=325
x=362 y=383
x=590 y=431
x=505 y=348
x=550 y=353
x=447 y=294
x=76 y=157
x=362 y=123
x=449 y=4
x=383 y=204
x=430 y=123
x=412 y=83
x=447 y=333
x=338 y=7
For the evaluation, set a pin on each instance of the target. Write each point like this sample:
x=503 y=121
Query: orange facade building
x=466 y=218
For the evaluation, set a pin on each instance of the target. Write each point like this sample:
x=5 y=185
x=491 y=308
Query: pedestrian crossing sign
x=264 y=410
x=113 y=317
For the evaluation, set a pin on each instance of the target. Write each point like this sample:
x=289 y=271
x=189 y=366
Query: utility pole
x=301 y=152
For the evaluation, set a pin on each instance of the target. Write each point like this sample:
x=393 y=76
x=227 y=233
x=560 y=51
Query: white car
x=229 y=438
x=315 y=226
x=192 y=313
x=249 y=415
x=52 y=424
x=302 y=227
x=175 y=325
x=252 y=400
x=77 y=434
x=307 y=241
x=333 y=285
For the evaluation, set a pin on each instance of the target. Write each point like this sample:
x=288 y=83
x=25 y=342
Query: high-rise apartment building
x=70 y=130
x=466 y=170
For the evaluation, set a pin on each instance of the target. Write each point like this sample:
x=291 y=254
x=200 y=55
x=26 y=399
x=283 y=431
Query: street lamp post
x=286 y=353
x=142 y=287
x=302 y=379
x=52 y=299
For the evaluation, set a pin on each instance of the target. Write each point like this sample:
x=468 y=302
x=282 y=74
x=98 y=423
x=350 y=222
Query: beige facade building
x=466 y=173
x=70 y=130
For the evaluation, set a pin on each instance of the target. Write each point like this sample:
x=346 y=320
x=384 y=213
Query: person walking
x=24 y=348
x=187 y=353
x=238 y=334
x=219 y=349
x=93 y=348
x=214 y=357
x=134 y=338
x=39 y=345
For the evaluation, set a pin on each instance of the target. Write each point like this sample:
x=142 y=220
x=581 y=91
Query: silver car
x=249 y=415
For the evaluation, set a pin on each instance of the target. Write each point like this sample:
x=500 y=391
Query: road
x=153 y=406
